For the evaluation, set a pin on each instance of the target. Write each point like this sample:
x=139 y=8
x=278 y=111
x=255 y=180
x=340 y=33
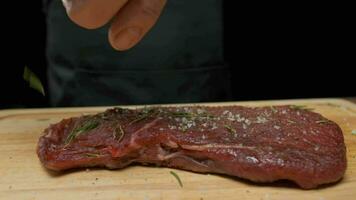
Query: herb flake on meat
x=84 y=127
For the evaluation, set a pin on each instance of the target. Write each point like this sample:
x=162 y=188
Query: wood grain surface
x=23 y=177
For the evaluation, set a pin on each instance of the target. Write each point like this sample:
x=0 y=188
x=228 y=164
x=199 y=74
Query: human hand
x=132 y=19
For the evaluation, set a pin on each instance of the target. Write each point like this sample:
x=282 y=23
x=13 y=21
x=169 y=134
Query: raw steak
x=262 y=144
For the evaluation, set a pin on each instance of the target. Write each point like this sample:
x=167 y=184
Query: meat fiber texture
x=261 y=144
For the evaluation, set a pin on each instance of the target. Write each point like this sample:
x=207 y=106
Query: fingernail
x=126 y=38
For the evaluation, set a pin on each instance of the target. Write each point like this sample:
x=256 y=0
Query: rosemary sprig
x=190 y=115
x=181 y=114
x=230 y=128
x=144 y=114
x=86 y=126
x=177 y=177
x=353 y=132
x=119 y=133
x=300 y=107
x=323 y=121
x=92 y=155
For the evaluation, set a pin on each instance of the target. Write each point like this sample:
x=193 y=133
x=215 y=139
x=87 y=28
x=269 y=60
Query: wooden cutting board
x=23 y=177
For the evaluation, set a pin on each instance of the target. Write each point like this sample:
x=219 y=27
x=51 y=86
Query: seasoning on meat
x=262 y=144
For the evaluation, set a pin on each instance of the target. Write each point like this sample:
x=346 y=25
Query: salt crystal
x=244 y=126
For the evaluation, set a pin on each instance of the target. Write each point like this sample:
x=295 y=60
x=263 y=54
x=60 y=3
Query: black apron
x=179 y=60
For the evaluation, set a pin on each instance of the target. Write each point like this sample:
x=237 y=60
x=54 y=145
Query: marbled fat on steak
x=261 y=144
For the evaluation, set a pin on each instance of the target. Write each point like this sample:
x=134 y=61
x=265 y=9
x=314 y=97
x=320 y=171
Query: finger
x=133 y=21
x=92 y=13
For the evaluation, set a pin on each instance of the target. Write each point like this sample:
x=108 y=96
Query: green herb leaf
x=177 y=177
x=181 y=114
x=86 y=126
x=190 y=115
x=323 y=121
x=230 y=128
x=144 y=114
x=353 y=132
x=33 y=80
x=300 y=107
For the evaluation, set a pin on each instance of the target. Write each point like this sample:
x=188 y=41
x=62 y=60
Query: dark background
x=275 y=51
